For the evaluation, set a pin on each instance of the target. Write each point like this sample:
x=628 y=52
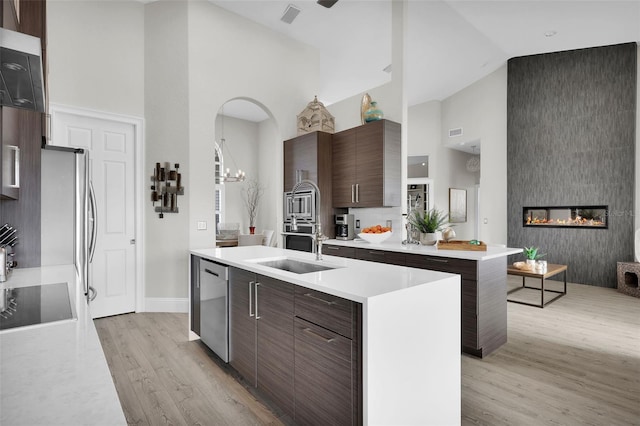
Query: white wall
x=232 y=57
x=167 y=119
x=481 y=110
x=347 y=111
x=95 y=53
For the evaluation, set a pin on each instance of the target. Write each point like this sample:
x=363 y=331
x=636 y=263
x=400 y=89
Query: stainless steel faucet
x=317 y=235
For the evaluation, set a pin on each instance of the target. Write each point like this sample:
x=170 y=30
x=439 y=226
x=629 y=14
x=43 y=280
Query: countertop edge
x=491 y=253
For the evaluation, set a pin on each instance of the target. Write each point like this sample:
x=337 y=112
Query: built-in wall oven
x=302 y=205
x=299 y=240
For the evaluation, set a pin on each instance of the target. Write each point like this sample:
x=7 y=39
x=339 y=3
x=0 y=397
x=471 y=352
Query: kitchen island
x=55 y=373
x=483 y=275
x=403 y=344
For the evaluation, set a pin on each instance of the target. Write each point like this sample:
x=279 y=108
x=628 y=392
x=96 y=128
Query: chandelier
x=473 y=163
x=226 y=176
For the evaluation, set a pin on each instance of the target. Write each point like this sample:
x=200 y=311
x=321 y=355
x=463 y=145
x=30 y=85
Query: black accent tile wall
x=571 y=123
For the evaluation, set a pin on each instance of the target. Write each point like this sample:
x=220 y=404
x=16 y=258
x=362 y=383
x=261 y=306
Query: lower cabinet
x=301 y=348
x=323 y=376
x=328 y=359
x=261 y=334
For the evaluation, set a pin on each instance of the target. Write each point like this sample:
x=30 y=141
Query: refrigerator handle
x=94 y=220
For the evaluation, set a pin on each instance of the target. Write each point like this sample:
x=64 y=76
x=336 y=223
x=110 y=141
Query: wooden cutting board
x=461 y=245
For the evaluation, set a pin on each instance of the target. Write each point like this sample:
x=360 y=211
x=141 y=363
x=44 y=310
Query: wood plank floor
x=575 y=362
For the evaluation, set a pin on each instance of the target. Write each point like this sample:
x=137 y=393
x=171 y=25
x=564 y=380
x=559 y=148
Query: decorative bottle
x=373 y=113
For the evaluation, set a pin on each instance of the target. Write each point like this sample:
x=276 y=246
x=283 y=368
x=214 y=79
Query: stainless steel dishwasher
x=214 y=307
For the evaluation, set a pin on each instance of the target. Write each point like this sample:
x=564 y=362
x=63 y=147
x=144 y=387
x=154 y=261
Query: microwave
x=302 y=205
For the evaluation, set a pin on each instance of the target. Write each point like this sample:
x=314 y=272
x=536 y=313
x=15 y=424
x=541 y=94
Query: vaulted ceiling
x=450 y=44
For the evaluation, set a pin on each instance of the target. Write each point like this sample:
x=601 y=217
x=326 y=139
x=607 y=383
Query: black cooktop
x=36 y=304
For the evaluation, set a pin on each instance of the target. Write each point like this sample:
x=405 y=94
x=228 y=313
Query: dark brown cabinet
x=328 y=359
x=340 y=251
x=261 y=334
x=309 y=157
x=366 y=166
x=484 y=291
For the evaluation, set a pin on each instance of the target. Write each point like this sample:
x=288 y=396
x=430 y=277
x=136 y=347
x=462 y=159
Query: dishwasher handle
x=211 y=272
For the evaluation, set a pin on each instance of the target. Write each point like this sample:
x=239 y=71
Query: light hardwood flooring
x=575 y=362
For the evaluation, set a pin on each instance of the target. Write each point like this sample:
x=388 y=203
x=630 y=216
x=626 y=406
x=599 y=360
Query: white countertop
x=491 y=253
x=352 y=279
x=55 y=373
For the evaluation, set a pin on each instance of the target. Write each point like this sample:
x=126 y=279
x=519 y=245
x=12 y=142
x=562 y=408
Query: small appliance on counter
x=344 y=227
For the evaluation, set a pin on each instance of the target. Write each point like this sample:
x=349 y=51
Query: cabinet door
x=323 y=376
x=300 y=153
x=370 y=165
x=274 y=301
x=242 y=324
x=340 y=251
x=344 y=168
x=381 y=256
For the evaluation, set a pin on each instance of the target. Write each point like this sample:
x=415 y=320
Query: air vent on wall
x=290 y=14
x=455 y=132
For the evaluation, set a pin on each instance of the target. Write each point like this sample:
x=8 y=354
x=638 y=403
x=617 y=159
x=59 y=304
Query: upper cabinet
x=309 y=157
x=366 y=166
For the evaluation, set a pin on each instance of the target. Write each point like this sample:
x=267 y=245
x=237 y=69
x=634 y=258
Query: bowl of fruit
x=375 y=234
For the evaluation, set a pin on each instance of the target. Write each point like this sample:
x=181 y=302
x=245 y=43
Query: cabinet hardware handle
x=257 y=316
x=376 y=253
x=319 y=299
x=250 y=303
x=438 y=260
x=353 y=196
x=313 y=333
x=211 y=272
x=357 y=192
x=331 y=248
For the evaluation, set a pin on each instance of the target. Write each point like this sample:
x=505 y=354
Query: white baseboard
x=166 y=304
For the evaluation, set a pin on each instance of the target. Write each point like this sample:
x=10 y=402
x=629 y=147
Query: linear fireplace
x=592 y=217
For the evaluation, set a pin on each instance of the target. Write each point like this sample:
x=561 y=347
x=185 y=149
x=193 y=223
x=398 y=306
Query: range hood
x=21 y=77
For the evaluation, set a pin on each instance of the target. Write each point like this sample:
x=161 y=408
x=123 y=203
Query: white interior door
x=111 y=145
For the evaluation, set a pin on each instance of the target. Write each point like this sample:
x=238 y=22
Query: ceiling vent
x=290 y=14
x=455 y=132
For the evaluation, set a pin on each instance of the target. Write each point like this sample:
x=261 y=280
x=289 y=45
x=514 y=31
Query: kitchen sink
x=295 y=266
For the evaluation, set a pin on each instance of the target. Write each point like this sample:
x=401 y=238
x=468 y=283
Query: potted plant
x=251 y=195
x=428 y=223
x=531 y=254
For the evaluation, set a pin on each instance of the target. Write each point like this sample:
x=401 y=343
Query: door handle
x=250 y=302
x=94 y=219
x=319 y=336
x=211 y=272
x=353 y=197
x=357 y=192
x=257 y=316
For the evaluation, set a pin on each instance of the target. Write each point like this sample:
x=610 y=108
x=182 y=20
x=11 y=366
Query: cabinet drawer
x=325 y=310
x=381 y=256
x=466 y=268
x=323 y=376
x=340 y=251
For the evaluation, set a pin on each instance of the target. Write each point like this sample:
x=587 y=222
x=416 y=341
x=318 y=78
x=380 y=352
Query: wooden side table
x=552 y=269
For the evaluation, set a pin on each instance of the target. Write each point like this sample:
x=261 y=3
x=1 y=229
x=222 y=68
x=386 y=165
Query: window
x=219 y=191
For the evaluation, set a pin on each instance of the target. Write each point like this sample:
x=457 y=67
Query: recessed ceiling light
x=550 y=33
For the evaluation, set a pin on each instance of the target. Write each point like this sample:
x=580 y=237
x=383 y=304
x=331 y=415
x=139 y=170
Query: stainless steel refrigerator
x=69 y=221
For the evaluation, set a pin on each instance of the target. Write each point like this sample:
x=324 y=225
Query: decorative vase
x=531 y=264
x=428 y=239
x=373 y=113
x=252 y=230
